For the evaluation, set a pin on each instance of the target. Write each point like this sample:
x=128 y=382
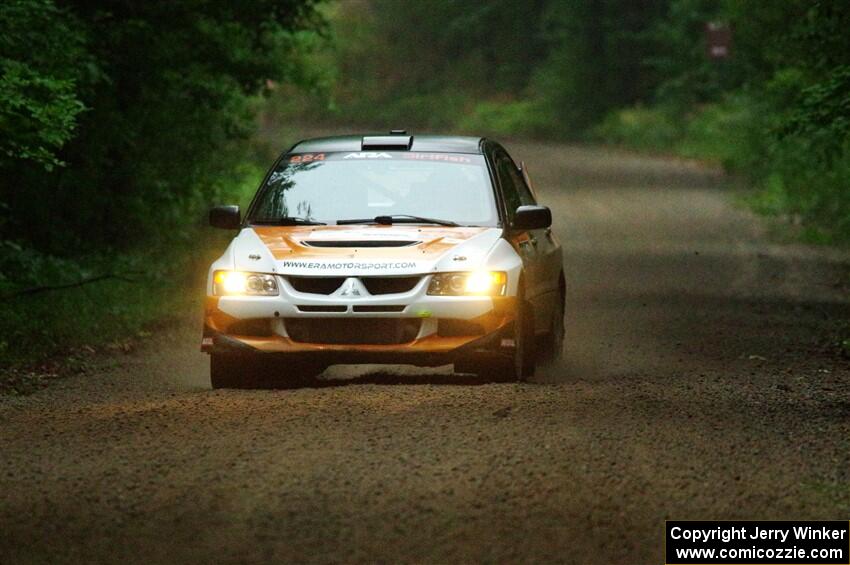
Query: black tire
x=525 y=353
x=552 y=342
x=232 y=371
x=471 y=365
x=520 y=365
x=294 y=374
x=255 y=371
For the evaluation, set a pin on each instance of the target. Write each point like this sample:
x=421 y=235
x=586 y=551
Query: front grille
x=389 y=285
x=375 y=285
x=359 y=243
x=353 y=331
x=316 y=285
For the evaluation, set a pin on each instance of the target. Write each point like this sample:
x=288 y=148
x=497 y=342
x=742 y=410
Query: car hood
x=362 y=250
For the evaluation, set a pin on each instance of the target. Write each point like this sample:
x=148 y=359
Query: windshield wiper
x=287 y=221
x=398 y=219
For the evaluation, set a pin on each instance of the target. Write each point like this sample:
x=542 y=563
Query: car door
x=525 y=242
x=540 y=250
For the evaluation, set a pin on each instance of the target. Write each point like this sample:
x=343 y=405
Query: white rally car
x=423 y=250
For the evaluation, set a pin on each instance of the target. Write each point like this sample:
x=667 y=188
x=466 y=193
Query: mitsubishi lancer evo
x=397 y=249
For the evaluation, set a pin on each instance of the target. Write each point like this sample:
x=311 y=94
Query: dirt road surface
x=701 y=382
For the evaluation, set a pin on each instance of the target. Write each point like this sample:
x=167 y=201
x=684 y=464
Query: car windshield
x=328 y=187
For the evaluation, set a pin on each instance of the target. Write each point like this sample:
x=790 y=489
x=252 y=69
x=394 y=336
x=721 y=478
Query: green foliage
x=168 y=90
x=718 y=132
x=778 y=112
x=150 y=285
x=812 y=192
x=640 y=128
x=631 y=73
x=595 y=59
x=60 y=321
x=419 y=47
x=726 y=132
x=522 y=117
x=121 y=123
x=424 y=64
x=42 y=63
x=40 y=112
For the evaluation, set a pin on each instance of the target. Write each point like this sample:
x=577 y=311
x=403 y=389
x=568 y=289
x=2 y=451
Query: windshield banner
x=456 y=158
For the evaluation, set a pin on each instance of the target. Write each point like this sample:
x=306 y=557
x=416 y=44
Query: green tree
x=597 y=52
x=43 y=62
x=167 y=88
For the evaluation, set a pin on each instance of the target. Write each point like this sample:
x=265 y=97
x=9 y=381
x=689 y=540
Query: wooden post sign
x=718 y=40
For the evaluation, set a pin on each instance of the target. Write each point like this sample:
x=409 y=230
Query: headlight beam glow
x=475 y=283
x=237 y=283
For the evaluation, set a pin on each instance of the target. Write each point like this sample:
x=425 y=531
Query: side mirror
x=532 y=218
x=225 y=217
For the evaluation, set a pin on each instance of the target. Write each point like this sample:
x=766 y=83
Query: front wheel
x=520 y=364
x=232 y=371
x=552 y=342
x=523 y=362
x=255 y=371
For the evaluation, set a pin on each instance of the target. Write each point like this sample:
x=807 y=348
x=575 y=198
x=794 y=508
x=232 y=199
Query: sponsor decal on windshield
x=307 y=158
x=444 y=157
x=368 y=155
x=455 y=158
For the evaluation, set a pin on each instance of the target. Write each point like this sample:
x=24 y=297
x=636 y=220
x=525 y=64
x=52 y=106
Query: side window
x=525 y=195
x=516 y=192
x=508 y=184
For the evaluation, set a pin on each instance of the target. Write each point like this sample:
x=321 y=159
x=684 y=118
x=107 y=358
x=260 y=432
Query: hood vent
x=359 y=243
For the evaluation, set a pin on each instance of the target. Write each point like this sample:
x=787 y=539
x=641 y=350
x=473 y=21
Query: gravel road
x=701 y=382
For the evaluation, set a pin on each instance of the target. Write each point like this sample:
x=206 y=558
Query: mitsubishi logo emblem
x=351 y=287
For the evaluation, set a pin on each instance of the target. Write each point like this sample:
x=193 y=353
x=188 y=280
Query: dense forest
x=122 y=121
x=636 y=73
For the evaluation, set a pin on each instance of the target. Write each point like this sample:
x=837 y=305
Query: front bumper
x=485 y=325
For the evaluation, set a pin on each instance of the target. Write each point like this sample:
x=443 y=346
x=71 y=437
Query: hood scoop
x=359 y=243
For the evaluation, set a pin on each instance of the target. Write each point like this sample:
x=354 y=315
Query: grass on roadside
x=791 y=179
x=53 y=330
x=158 y=283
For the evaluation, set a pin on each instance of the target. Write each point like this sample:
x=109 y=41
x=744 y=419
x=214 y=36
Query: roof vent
x=395 y=141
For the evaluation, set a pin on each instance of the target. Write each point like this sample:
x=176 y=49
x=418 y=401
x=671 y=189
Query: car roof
x=426 y=143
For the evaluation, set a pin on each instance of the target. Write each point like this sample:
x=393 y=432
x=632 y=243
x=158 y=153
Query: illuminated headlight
x=246 y=284
x=477 y=283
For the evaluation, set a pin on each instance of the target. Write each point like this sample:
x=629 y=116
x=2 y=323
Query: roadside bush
x=123 y=291
x=729 y=132
x=815 y=195
x=428 y=111
x=640 y=128
x=519 y=117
